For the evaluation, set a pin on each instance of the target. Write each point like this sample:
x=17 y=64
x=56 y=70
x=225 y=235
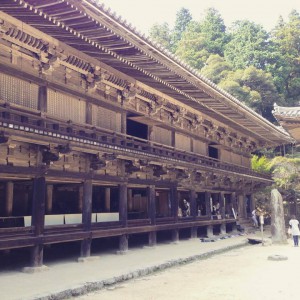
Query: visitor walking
x=294 y=225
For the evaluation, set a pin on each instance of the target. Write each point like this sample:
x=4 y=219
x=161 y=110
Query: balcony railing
x=35 y=122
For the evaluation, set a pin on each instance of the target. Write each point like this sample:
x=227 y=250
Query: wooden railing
x=35 y=122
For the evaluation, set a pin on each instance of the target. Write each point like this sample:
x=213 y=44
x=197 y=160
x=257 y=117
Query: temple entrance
x=200 y=204
x=163 y=204
x=137 y=203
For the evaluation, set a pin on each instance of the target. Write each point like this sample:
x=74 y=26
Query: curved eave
x=99 y=33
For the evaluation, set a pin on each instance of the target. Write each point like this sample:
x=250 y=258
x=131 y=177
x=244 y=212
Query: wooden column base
x=152 y=239
x=209 y=231
x=194 y=232
x=223 y=229
x=37 y=253
x=86 y=248
x=123 y=244
x=175 y=236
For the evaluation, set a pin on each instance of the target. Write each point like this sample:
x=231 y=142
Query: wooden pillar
x=152 y=238
x=9 y=198
x=38 y=218
x=222 y=204
x=234 y=202
x=193 y=204
x=173 y=138
x=174 y=202
x=38 y=205
x=130 y=200
x=210 y=231
x=49 y=199
x=42 y=98
x=152 y=204
x=89 y=113
x=87 y=189
x=123 y=204
x=123 y=122
x=241 y=206
x=208 y=204
x=107 y=199
x=194 y=231
x=223 y=228
x=80 y=198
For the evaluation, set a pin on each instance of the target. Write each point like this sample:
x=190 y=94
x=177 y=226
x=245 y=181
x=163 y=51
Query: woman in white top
x=294 y=225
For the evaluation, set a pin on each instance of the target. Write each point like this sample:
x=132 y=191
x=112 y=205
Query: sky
x=144 y=13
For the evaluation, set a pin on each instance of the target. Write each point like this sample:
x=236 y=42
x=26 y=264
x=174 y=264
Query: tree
x=161 y=34
x=253 y=87
x=286 y=69
x=249 y=46
x=201 y=39
x=216 y=68
x=183 y=18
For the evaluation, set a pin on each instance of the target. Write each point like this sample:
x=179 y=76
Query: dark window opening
x=213 y=152
x=137 y=129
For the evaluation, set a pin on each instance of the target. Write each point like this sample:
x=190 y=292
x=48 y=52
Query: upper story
x=76 y=64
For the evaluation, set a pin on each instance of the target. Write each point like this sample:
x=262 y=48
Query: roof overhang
x=99 y=33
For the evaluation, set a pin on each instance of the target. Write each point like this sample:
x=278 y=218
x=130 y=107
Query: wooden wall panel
x=105 y=118
x=17 y=91
x=162 y=135
x=199 y=147
x=66 y=107
x=182 y=142
x=226 y=156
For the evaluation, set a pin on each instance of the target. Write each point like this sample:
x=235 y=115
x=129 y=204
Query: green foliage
x=257 y=67
x=260 y=164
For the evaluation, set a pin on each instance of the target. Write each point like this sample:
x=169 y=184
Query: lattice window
x=66 y=107
x=199 y=147
x=182 y=142
x=18 y=91
x=162 y=136
x=105 y=118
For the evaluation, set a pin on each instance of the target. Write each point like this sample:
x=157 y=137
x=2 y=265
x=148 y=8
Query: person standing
x=294 y=225
x=254 y=218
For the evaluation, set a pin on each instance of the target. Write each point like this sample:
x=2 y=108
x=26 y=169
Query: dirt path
x=243 y=274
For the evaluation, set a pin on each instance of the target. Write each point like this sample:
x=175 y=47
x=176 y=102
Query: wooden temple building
x=289 y=119
x=104 y=134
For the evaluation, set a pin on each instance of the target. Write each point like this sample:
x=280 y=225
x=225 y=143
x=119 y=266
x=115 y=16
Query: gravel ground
x=242 y=274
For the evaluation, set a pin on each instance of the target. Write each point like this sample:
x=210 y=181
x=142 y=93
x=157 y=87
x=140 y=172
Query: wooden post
x=130 y=200
x=38 y=205
x=42 y=98
x=107 y=199
x=123 y=122
x=123 y=204
x=9 y=198
x=241 y=206
x=174 y=202
x=208 y=204
x=193 y=204
x=87 y=216
x=152 y=204
x=38 y=219
x=49 y=199
x=89 y=113
x=222 y=204
x=80 y=198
